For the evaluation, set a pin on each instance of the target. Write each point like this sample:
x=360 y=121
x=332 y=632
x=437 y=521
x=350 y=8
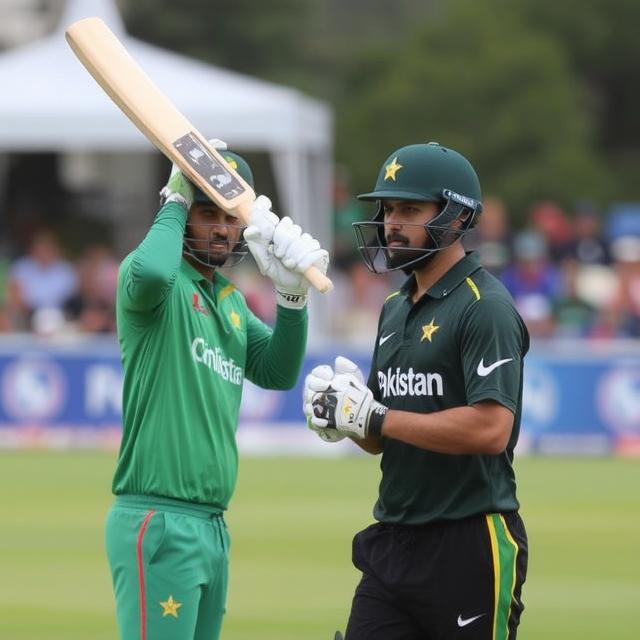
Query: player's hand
x=284 y=253
x=316 y=385
x=346 y=404
x=262 y=224
x=319 y=377
x=178 y=188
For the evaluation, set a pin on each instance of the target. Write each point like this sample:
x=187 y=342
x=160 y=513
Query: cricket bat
x=106 y=59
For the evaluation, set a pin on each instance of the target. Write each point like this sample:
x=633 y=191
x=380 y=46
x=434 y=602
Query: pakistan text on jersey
x=201 y=352
x=409 y=383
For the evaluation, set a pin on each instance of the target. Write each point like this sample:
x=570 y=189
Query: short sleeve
x=493 y=343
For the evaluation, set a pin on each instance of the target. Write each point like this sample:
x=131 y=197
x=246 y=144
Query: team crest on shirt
x=235 y=319
x=170 y=607
x=195 y=303
x=428 y=330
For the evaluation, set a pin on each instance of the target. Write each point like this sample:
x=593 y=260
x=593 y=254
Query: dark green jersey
x=461 y=343
x=187 y=344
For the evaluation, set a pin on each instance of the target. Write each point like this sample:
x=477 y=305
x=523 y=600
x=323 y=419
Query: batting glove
x=316 y=394
x=319 y=377
x=178 y=188
x=283 y=253
x=347 y=405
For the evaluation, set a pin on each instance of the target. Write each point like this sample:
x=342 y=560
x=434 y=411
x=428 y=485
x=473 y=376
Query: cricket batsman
x=188 y=341
x=447 y=557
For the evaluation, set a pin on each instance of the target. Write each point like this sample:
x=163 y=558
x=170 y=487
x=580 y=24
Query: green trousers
x=169 y=564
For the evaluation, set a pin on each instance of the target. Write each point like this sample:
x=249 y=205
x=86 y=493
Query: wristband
x=291 y=300
x=376 y=419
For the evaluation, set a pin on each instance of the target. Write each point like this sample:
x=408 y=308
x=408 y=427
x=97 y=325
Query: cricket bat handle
x=318 y=279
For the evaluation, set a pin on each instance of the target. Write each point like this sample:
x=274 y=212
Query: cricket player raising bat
x=188 y=341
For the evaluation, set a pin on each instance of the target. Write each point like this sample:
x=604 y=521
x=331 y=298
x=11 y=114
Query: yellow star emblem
x=391 y=169
x=428 y=330
x=231 y=162
x=235 y=319
x=170 y=607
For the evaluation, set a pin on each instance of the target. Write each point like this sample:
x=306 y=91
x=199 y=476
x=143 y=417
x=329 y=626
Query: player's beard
x=212 y=251
x=404 y=254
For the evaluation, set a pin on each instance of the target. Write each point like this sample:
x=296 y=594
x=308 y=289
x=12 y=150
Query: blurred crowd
x=572 y=274
x=45 y=293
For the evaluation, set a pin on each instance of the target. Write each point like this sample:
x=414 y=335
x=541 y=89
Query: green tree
x=476 y=79
x=600 y=40
x=263 y=39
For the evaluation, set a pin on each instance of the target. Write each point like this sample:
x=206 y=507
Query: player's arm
x=370 y=444
x=274 y=357
x=150 y=270
x=346 y=405
x=482 y=428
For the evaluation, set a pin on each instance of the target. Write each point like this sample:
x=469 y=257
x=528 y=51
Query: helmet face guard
x=440 y=233
x=200 y=249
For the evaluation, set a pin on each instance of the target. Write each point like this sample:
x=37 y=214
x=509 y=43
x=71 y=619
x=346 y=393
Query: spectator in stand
x=93 y=307
x=40 y=280
x=357 y=299
x=551 y=221
x=625 y=251
x=588 y=245
x=573 y=316
x=492 y=237
x=534 y=282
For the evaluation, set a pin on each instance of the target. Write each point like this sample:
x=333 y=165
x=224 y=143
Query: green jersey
x=460 y=343
x=187 y=344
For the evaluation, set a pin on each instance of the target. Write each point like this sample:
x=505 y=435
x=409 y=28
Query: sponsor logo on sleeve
x=484 y=370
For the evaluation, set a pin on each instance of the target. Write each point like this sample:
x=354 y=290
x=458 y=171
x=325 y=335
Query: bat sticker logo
x=220 y=180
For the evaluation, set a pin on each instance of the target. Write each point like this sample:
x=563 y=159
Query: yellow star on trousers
x=428 y=330
x=391 y=169
x=170 y=607
x=235 y=319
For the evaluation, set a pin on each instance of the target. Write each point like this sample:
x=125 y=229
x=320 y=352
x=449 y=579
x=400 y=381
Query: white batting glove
x=347 y=405
x=318 y=381
x=284 y=256
x=262 y=224
x=178 y=188
x=319 y=377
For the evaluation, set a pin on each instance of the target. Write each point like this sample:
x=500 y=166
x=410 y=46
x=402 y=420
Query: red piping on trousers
x=143 y=604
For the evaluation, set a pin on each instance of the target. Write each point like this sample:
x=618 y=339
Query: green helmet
x=426 y=173
x=423 y=172
x=238 y=163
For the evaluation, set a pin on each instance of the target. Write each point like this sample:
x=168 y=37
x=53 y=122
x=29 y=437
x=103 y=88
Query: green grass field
x=292 y=521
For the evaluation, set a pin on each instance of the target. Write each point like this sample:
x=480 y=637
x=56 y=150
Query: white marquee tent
x=48 y=102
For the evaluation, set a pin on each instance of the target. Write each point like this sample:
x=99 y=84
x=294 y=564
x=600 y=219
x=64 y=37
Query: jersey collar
x=219 y=281
x=450 y=280
x=190 y=271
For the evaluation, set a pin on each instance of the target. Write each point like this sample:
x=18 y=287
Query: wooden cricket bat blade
x=111 y=66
